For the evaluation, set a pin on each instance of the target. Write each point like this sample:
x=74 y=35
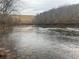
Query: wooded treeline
x=65 y=15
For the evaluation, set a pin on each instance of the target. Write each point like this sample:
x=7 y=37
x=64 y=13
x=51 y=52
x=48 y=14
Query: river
x=45 y=43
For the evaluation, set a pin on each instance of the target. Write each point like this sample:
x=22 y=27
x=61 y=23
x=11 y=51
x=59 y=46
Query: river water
x=45 y=43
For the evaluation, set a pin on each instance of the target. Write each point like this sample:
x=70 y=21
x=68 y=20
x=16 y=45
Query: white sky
x=33 y=7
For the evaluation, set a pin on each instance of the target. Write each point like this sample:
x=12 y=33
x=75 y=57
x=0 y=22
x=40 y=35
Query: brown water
x=42 y=43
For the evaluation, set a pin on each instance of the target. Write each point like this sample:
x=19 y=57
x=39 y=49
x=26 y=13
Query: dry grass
x=24 y=19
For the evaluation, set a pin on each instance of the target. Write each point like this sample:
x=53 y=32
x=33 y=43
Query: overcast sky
x=33 y=7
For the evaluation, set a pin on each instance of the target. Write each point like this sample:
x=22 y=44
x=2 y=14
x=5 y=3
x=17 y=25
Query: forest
x=63 y=16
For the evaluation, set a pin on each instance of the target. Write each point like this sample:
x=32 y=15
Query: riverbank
x=59 y=25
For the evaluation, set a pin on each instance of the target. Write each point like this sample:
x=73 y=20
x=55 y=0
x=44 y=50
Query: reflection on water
x=5 y=42
x=45 y=43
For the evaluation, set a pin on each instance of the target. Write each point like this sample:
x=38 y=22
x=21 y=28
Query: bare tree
x=6 y=8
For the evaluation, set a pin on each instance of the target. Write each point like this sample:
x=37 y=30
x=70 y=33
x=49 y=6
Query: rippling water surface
x=46 y=43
